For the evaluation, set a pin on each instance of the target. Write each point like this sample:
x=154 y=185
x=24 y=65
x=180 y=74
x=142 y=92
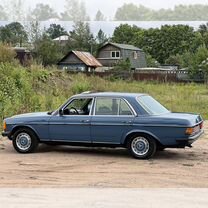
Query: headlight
x=4 y=126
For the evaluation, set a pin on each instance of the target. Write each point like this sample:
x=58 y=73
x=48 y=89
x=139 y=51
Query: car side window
x=107 y=106
x=112 y=106
x=78 y=107
x=124 y=109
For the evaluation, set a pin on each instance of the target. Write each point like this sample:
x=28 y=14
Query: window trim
x=116 y=57
x=76 y=98
x=134 y=114
x=135 y=55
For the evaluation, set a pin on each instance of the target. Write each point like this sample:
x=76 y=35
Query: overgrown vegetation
x=38 y=89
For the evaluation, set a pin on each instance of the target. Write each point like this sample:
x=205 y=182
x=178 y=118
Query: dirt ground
x=65 y=167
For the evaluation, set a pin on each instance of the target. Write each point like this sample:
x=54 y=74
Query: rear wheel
x=160 y=148
x=142 y=147
x=25 y=141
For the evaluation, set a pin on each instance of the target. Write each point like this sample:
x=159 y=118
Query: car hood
x=26 y=115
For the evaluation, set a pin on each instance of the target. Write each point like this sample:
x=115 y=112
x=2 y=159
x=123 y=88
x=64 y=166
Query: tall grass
x=37 y=89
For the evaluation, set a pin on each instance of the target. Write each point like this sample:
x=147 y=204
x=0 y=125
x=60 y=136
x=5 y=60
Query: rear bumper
x=188 y=142
x=5 y=134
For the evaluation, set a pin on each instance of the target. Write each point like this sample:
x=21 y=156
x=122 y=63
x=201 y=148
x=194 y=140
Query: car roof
x=109 y=94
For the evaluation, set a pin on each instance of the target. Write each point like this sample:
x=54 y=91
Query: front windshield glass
x=152 y=106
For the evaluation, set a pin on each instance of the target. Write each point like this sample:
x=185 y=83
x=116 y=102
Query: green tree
x=175 y=60
x=81 y=37
x=47 y=51
x=34 y=32
x=101 y=38
x=125 y=34
x=203 y=29
x=14 y=34
x=75 y=11
x=99 y=16
x=204 y=67
x=56 y=30
x=169 y=40
x=151 y=62
x=42 y=12
x=123 y=65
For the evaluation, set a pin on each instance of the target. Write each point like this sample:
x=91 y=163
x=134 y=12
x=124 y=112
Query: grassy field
x=37 y=89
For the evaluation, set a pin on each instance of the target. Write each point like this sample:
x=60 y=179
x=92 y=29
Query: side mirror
x=61 y=112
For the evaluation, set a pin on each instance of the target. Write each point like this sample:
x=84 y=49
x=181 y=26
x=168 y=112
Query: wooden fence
x=148 y=75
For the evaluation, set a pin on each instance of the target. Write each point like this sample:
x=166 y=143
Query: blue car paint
x=167 y=128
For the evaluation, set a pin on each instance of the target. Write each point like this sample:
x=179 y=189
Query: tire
x=142 y=146
x=25 y=141
x=160 y=148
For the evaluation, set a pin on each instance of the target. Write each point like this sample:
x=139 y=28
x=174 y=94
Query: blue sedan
x=133 y=121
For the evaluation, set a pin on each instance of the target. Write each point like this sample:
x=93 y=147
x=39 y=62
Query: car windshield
x=152 y=106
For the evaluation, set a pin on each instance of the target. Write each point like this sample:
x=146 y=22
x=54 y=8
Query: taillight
x=189 y=131
x=4 y=126
x=201 y=125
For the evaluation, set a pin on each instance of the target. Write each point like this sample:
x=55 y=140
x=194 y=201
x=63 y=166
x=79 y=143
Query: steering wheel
x=76 y=111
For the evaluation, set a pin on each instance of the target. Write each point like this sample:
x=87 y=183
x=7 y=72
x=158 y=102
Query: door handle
x=85 y=121
x=128 y=122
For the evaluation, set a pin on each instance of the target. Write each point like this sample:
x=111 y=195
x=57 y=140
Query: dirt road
x=96 y=167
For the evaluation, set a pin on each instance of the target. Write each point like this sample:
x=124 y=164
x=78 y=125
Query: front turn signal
x=189 y=131
x=4 y=126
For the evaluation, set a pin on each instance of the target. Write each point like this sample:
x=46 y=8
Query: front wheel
x=25 y=141
x=142 y=147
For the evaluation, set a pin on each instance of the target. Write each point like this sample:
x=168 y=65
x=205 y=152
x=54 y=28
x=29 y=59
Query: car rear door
x=112 y=118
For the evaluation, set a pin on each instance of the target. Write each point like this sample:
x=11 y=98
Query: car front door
x=112 y=119
x=72 y=124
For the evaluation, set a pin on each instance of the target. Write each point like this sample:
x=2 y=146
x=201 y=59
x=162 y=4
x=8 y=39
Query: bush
x=7 y=54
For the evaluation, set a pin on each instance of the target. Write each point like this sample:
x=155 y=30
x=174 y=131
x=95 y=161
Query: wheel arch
x=18 y=127
x=141 y=133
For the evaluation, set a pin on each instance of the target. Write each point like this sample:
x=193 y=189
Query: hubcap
x=23 y=141
x=140 y=146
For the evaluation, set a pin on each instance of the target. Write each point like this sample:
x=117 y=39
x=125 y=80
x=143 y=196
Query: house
x=79 y=61
x=23 y=55
x=62 y=40
x=112 y=53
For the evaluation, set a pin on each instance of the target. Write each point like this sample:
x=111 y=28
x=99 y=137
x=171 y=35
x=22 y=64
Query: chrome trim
x=69 y=141
x=134 y=112
x=196 y=136
x=160 y=125
x=106 y=143
x=81 y=142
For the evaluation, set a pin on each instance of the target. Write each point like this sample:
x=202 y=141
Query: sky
x=109 y=7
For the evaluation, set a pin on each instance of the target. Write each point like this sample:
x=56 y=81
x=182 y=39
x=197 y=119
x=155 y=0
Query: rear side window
x=124 y=109
x=112 y=106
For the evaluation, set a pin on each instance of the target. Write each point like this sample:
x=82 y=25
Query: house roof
x=124 y=46
x=62 y=38
x=21 y=49
x=86 y=57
